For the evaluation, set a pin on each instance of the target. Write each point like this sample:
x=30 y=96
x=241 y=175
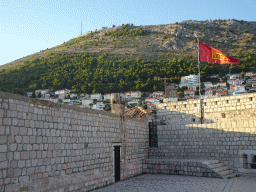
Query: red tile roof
x=136 y=112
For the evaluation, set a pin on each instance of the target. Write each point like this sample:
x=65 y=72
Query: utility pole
x=81 y=27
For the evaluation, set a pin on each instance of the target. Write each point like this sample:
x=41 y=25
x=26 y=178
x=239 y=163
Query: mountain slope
x=128 y=58
x=234 y=38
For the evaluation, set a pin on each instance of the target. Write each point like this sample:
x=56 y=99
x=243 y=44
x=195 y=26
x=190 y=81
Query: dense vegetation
x=90 y=73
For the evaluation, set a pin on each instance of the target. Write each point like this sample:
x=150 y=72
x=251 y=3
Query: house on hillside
x=250 y=81
x=151 y=106
x=44 y=93
x=87 y=102
x=237 y=88
x=192 y=87
x=158 y=94
x=222 y=84
x=99 y=106
x=62 y=94
x=29 y=94
x=235 y=76
x=152 y=100
x=96 y=96
x=249 y=74
x=106 y=96
x=253 y=88
x=73 y=95
x=223 y=93
x=132 y=94
x=208 y=92
x=189 y=80
x=170 y=99
x=208 y=85
x=51 y=99
x=172 y=90
x=189 y=93
x=85 y=96
x=134 y=101
x=235 y=82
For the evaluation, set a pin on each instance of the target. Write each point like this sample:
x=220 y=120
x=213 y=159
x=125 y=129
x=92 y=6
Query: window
x=174 y=106
x=185 y=105
x=195 y=105
x=204 y=103
x=223 y=115
x=227 y=101
x=238 y=100
x=250 y=98
x=216 y=102
x=193 y=120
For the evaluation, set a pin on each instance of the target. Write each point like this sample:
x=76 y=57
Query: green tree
x=34 y=94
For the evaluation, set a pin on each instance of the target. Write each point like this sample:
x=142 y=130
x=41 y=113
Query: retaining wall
x=53 y=147
x=228 y=130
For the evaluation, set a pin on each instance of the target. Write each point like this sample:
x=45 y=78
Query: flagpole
x=199 y=83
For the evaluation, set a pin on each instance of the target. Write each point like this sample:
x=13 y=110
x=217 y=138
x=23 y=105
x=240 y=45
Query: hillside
x=129 y=58
x=178 y=40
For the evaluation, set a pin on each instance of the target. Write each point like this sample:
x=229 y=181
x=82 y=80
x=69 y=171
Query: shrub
x=192 y=27
x=251 y=37
x=246 y=40
x=191 y=32
x=212 y=39
x=246 y=31
x=176 y=23
x=217 y=45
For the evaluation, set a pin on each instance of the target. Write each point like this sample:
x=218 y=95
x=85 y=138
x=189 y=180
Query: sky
x=28 y=26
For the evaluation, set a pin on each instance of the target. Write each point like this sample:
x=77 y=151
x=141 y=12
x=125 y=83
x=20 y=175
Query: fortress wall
x=53 y=147
x=228 y=130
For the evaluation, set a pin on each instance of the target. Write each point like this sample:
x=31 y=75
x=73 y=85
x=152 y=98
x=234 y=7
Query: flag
x=211 y=55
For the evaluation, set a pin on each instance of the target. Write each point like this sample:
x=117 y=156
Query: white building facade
x=189 y=80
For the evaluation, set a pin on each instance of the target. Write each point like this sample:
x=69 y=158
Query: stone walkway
x=177 y=183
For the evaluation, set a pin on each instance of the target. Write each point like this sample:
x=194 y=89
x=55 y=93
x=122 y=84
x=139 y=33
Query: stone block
x=23 y=131
x=2 y=157
x=34 y=162
x=7 y=121
x=19 y=108
x=21 y=163
x=18 y=139
x=1 y=113
x=13 y=107
x=3 y=148
x=30 y=171
x=17 y=172
x=14 y=113
x=14 y=164
x=17 y=155
x=5 y=105
x=13 y=146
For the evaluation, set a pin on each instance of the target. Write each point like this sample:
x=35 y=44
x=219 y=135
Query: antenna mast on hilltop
x=81 y=27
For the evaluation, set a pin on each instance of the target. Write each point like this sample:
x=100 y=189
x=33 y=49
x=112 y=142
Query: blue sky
x=28 y=26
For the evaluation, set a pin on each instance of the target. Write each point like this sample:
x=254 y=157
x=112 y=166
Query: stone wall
x=227 y=132
x=54 y=147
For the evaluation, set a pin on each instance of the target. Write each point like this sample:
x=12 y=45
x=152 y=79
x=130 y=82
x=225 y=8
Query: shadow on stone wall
x=181 y=136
